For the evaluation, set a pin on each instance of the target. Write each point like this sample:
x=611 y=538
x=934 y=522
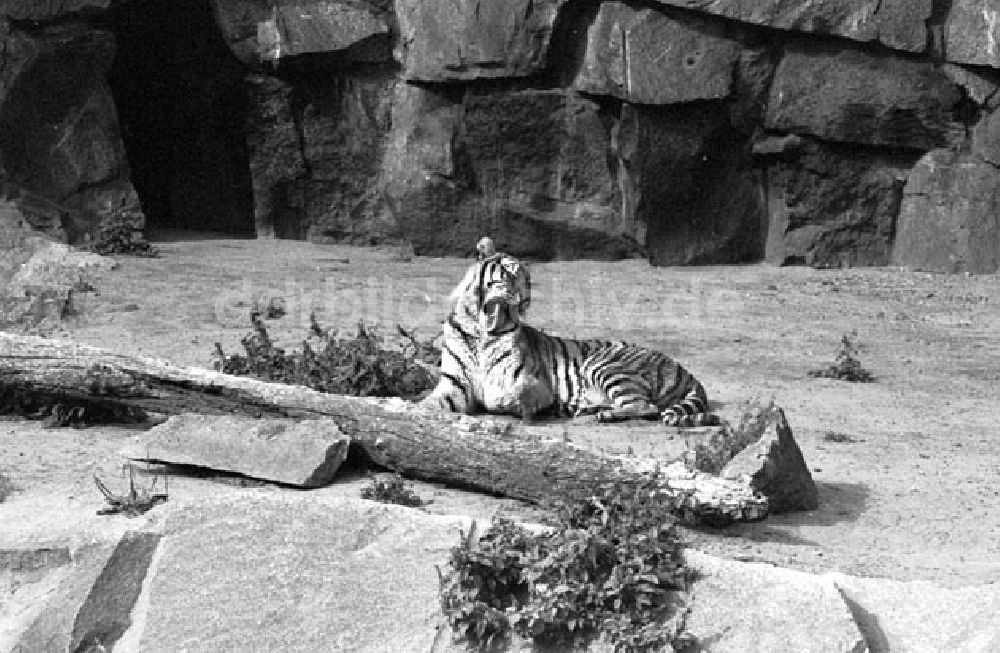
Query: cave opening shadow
x=182 y=107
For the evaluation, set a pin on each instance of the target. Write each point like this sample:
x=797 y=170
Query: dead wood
x=482 y=454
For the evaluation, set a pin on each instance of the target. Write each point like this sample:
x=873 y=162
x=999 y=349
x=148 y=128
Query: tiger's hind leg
x=633 y=410
x=691 y=411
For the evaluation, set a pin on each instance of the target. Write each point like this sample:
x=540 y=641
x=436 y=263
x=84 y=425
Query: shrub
x=612 y=568
x=847 y=366
x=6 y=487
x=392 y=490
x=357 y=366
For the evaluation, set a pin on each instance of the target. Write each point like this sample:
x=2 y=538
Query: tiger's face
x=495 y=293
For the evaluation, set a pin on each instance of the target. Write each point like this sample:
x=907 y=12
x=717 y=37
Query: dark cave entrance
x=182 y=107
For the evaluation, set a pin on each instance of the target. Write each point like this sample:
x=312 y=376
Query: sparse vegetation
x=62 y=411
x=611 y=569
x=840 y=438
x=846 y=367
x=392 y=490
x=6 y=487
x=358 y=366
x=135 y=502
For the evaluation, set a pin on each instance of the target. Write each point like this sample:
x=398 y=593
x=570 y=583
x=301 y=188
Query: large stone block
x=470 y=39
x=60 y=144
x=687 y=180
x=842 y=94
x=44 y=10
x=649 y=57
x=898 y=24
x=970 y=32
x=305 y=453
x=262 y=30
x=833 y=205
x=530 y=168
x=950 y=217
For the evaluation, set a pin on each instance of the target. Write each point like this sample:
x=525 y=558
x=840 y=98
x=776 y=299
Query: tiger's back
x=615 y=380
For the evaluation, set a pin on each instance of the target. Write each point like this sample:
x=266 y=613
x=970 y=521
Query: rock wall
x=62 y=163
x=688 y=132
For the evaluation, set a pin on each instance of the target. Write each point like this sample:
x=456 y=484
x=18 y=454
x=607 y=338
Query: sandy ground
x=913 y=494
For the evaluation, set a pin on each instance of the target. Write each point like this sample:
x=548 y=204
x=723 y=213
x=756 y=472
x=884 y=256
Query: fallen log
x=498 y=457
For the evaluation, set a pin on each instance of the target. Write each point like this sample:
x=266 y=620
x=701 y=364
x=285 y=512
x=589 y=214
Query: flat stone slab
x=305 y=452
x=742 y=607
x=918 y=617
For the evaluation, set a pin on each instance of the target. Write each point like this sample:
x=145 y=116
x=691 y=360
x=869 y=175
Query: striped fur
x=520 y=370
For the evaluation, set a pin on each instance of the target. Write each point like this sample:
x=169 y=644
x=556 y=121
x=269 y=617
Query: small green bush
x=357 y=366
x=847 y=366
x=392 y=490
x=6 y=487
x=611 y=569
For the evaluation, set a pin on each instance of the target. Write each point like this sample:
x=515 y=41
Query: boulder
x=40 y=291
x=829 y=204
x=44 y=10
x=259 y=30
x=306 y=453
x=315 y=166
x=529 y=168
x=848 y=95
x=912 y=617
x=949 y=219
x=775 y=467
x=474 y=39
x=898 y=24
x=979 y=84
x=986 y=137
x=969 y=32
x=327 y=574
x=59 y=136
x=739 y=607
x=649 y=57
x=687 y=179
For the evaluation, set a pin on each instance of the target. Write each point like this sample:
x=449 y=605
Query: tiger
x=493 y=361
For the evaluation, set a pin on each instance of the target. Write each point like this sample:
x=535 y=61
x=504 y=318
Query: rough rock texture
x=49 y=9
x=648 y=57
x=898 y=24
x=259 y=30
x=474 y=39
x=60 y=145
x=305 y=453
x=40 y=291
x=739 y=607
x=775 y=467
x=847 y=95
x=970 y=34
x=687 y=179
x=315 y=153
x=832 y=205
x=949 y=219
x=529 y=168
x=901 y=617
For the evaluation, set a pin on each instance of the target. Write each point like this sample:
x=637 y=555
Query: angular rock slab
x=971 y=32
x=898 y=24
x=278 y=571
x=847 y=95
x=647 y=57
x=775 y=467
x=305 y=453
x=921 y=617
x=471 y=39
x=739 y=607
x=85 y=604
x=949 y=220
x=831 y=204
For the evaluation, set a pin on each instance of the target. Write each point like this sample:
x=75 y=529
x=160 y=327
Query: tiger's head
x=495 y=293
